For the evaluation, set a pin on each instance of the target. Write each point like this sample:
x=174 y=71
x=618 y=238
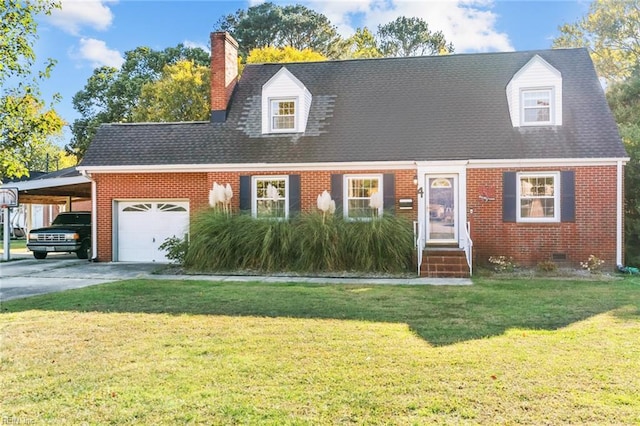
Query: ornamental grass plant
x=306 y=243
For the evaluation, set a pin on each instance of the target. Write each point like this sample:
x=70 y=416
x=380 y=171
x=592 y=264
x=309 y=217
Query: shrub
x=547 y=266
x=593 y=264
x=502 y=263
x=304 y=243
x=176 y=249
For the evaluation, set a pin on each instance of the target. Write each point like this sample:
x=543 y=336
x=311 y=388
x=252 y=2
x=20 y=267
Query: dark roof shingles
x=422 y=108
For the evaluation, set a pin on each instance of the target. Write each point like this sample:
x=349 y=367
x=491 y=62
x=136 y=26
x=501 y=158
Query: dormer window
x=534 y=95
x=283 y=115
x=537 y=106
x=286 y=103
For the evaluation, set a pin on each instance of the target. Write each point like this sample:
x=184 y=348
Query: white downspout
x=620 y=213
x=94 y=218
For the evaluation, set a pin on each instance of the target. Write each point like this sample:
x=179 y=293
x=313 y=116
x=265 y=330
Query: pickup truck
x=70 y=232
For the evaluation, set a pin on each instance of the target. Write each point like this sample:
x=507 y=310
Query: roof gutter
x=46 y=183
x=247 y=167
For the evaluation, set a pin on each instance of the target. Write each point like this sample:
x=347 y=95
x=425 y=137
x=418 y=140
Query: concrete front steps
x=444 y=262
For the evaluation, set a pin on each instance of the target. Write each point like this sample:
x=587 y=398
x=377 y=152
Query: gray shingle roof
x=420 y=108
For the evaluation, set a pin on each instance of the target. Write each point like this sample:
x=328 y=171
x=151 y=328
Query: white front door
x=441 y=197
x=144 y=225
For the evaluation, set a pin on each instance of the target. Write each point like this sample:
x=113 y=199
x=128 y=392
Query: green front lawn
x=167 y=352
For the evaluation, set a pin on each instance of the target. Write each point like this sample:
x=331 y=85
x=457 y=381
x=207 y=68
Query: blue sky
x=86 y=34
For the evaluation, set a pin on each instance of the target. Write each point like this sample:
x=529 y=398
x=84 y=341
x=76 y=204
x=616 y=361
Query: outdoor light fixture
x=415 y=180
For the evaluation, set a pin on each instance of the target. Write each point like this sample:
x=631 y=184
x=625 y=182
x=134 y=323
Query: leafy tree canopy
x=272 y=25
x=611 y=32
x=110 y=95
x=361 y=45
x=624 y=100
x=284 y=54
x=411 y=37
x=26 y=122
x=27 y=125
x=181 y=94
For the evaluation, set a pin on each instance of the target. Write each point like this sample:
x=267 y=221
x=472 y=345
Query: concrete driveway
x=25 y=276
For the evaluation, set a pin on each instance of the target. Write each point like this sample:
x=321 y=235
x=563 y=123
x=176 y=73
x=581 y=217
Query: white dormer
x=534 y=95
x=285 y=104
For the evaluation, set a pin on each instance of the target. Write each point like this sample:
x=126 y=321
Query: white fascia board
x=250 y=167
x=46 y=183
x=489 y=164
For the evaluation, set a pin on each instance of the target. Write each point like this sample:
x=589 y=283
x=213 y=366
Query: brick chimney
x=224 y=73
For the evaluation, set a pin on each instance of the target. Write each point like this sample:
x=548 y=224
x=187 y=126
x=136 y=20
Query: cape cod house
x=514 y=154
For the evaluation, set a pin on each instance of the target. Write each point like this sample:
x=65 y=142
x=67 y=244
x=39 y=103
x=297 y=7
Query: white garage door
x=144 y=225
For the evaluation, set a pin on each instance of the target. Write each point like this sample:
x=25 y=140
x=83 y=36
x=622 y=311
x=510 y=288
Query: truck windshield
x=72 y=219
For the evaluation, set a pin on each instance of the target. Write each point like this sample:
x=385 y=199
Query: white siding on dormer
x=284 y=85
x=536 y=74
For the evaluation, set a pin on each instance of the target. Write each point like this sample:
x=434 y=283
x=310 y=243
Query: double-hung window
x=539 y=197
x=363 y=196
x=270 y=197
x=537 y=106
x=283 y=115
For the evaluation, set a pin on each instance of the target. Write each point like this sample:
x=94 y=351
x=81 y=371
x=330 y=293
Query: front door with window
x=441 y=209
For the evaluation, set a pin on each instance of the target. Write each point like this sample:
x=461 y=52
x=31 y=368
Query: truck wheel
x=40 y=254
x=83 y=253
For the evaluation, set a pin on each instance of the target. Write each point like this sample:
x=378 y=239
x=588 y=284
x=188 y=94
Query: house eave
x=355 y=165
x=250 y=167
x=545 y=162
x=46 y=183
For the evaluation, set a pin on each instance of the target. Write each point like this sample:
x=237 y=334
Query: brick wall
x=195 y=188
x=593 y=232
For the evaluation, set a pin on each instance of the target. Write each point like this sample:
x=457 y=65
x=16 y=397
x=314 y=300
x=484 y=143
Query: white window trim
x=296 y=106
x=556 y=198
x=550 y=122
x=345 y=192
x=254 y=194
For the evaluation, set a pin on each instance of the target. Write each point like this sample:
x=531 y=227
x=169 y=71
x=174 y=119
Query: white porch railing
x=467 y=245
x=419 y=239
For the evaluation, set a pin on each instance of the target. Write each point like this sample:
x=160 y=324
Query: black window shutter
x=336 y=191
x=294 y=194
x=509 y=194
x=389 y=192
x=568 y=196
x=245 y=193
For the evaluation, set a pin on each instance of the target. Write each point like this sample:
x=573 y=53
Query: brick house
x=513 y=154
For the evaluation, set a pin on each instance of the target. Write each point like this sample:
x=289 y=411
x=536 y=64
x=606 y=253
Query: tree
x=411 y=37
x=110 y=95
x=361 y=45
x=181 y=94
x=51 y=157
x=611 y=32
x=624 y=100
x=26 y=122
x=27 y=125
x=271 y=25
x=284 y=54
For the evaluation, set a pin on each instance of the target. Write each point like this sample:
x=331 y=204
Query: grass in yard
x=165 y=352
x=14 y=244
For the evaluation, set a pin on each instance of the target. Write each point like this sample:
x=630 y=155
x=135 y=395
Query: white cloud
x=97 y=52
x=468 y=24
x=76 y=14
x=194 y=44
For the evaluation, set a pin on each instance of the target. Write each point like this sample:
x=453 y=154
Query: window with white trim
x=363 y=198
x=539 y=197
x=282 y=115
x=270 y=197
x=537 y=106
